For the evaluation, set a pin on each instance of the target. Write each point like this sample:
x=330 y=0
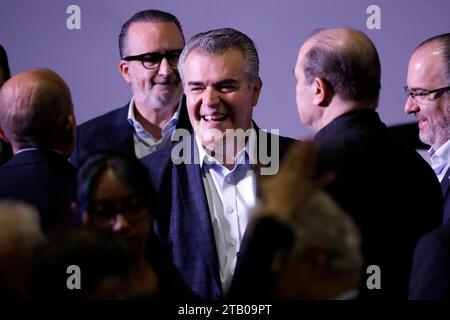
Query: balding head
x=429 y=70
x=36 y=111
x=347 y=60
x=439 y=47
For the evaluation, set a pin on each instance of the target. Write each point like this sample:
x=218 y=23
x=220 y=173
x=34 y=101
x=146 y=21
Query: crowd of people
x=175 y=196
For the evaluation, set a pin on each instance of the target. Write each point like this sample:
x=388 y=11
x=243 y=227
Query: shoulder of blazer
x=114 y=118
x=283 y=142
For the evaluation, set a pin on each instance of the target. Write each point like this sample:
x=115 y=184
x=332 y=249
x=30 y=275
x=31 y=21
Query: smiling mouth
x=215 y=117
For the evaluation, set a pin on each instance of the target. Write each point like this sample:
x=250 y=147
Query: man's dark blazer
x=42 y=178
x=183 y=225
x=409 y=134
x=391 y=193
x=430 y=276
x=5 y=152
x=445 y=187
x=113 y=132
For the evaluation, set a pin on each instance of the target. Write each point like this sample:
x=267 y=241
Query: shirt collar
x=247 y=155
x=37 y=149
x=139 y=128
x=443 y=152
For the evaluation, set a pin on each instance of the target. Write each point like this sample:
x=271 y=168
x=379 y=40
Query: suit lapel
x=183 y=118
x=445 y=183
x=197 y=213
x=121 y=132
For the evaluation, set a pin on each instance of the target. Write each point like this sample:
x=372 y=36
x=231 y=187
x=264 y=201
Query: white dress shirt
x=231 y=194
x=440 y=159
x=144 y=142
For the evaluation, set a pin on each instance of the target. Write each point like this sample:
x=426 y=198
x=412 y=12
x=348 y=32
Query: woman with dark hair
x=114 y=192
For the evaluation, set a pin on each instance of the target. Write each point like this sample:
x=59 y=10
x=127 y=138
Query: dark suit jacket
x=445 y=187
x=408 y=133
x=42 y=178
x=390 y=191
x=5 y=152
x=430 y=276
x=112 y=132
x=184 y=225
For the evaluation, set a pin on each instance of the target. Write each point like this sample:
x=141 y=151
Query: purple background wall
x=35 y=35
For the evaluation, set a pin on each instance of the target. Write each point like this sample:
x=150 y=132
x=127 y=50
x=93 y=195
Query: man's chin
x=426 y=138
x=162 y=102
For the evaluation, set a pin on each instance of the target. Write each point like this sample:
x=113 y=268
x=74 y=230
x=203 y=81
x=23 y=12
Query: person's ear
x=70 y=131
x=256 y=91
x=124 y=71
x=71 y=124
x=322 y=92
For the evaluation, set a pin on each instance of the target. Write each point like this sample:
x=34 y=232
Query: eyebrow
x=416 y=88
x=215 y=84
x=195 y=83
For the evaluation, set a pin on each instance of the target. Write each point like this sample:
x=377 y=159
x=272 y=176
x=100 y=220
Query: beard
x=161 y=93
x=438 y=130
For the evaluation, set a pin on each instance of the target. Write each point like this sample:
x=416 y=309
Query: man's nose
x=411 y=106
x=210 y=97
x=165 y=68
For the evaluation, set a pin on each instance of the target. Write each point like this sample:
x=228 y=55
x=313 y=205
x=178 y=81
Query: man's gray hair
x=321 y=223
x=21 y=234
x=219 y=41
x=20 y=224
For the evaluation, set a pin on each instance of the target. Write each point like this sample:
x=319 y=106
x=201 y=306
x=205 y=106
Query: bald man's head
x=440 y=44
x=347 y=60
x=36 y=111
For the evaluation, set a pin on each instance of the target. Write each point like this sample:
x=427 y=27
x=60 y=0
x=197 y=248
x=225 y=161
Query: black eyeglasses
x=421 y=96
x=152 y=60
x=106 y=211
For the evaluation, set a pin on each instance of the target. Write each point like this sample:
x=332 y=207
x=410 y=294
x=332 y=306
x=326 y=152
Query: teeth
x=214 y=117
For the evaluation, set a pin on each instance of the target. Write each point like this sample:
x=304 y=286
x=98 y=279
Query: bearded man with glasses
x=150 y=44
x=428 y=91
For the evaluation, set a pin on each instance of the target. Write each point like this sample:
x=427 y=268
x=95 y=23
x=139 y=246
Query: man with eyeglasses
x=428 y=90
x=150 y=44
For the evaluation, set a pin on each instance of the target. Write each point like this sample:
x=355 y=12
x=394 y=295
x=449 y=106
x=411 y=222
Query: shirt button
x=233 y=242
x=230 y=209
x=228 y=179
